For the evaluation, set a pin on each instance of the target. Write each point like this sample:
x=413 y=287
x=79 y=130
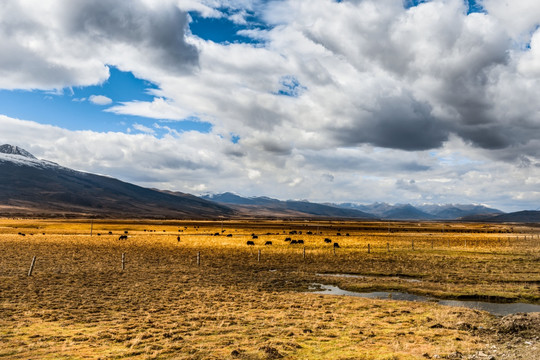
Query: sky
x=398 y=101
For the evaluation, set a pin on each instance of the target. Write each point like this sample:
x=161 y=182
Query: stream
x=495 y=308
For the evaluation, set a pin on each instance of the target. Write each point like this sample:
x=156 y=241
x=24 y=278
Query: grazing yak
x=250 y=243
x=327 y=240
x=268 y=243
x=288 y=239
x=294 y=242
x=254 y=237
x=300 y=241
x=122 y=237
x=229 y=235
x=336 y=245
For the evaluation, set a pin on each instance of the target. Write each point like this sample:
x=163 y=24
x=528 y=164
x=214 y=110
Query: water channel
x=494 y=308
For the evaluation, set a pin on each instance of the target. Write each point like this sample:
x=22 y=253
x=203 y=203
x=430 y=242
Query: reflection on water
x=491 y=307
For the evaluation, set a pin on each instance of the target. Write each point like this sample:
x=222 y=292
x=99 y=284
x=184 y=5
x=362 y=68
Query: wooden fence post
x=368 y=248
x=32 y=266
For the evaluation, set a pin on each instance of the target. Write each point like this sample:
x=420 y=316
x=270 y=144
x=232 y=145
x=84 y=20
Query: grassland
x=211 y=296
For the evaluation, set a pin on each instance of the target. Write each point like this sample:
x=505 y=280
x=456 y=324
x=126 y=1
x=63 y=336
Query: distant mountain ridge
x=525 y=216
x=32 y=187
x=379 y=210
x=424 y=212
x=265 y=206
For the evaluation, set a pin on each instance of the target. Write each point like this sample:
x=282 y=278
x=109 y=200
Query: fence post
x=388 y=247
x=412 y=244
x=304 y=253
x=32 y=266
x=259 y=255
x=368 y=248
x=123 y=261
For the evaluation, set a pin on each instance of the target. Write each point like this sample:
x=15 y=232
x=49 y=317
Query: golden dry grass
x=79 y=304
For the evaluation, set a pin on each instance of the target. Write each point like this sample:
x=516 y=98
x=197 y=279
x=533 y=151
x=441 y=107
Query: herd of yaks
x=249 y=242
x=253 y=236
x=292 y=242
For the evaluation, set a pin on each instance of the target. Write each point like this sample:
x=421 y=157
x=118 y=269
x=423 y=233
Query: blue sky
x=334 y=101
x=70 y=108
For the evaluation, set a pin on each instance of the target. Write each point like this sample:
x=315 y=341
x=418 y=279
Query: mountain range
x=34 y=187
x=424 y=211
x=268 y=207
x=381 y=211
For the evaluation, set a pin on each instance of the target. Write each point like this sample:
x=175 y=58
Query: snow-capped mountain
x=19 y=156
x=15 y=150
x=29 y=186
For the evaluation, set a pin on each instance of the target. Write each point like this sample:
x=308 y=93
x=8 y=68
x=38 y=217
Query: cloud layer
x=359 y=100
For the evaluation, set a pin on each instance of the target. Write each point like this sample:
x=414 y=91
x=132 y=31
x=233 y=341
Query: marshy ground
x=211 y=296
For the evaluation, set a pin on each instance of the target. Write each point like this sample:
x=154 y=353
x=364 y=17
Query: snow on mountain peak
x=15 y=150
x=20 y=157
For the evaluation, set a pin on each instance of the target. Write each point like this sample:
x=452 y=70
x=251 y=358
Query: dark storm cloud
x=397 y=123
x=161 y=30
x=275 y=147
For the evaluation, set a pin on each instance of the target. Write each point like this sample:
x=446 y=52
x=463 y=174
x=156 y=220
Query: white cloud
x=100 y=100
x=518 y=17
x=55 y=44
x=198 y=6
x=159 y=108
x=144 y=129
